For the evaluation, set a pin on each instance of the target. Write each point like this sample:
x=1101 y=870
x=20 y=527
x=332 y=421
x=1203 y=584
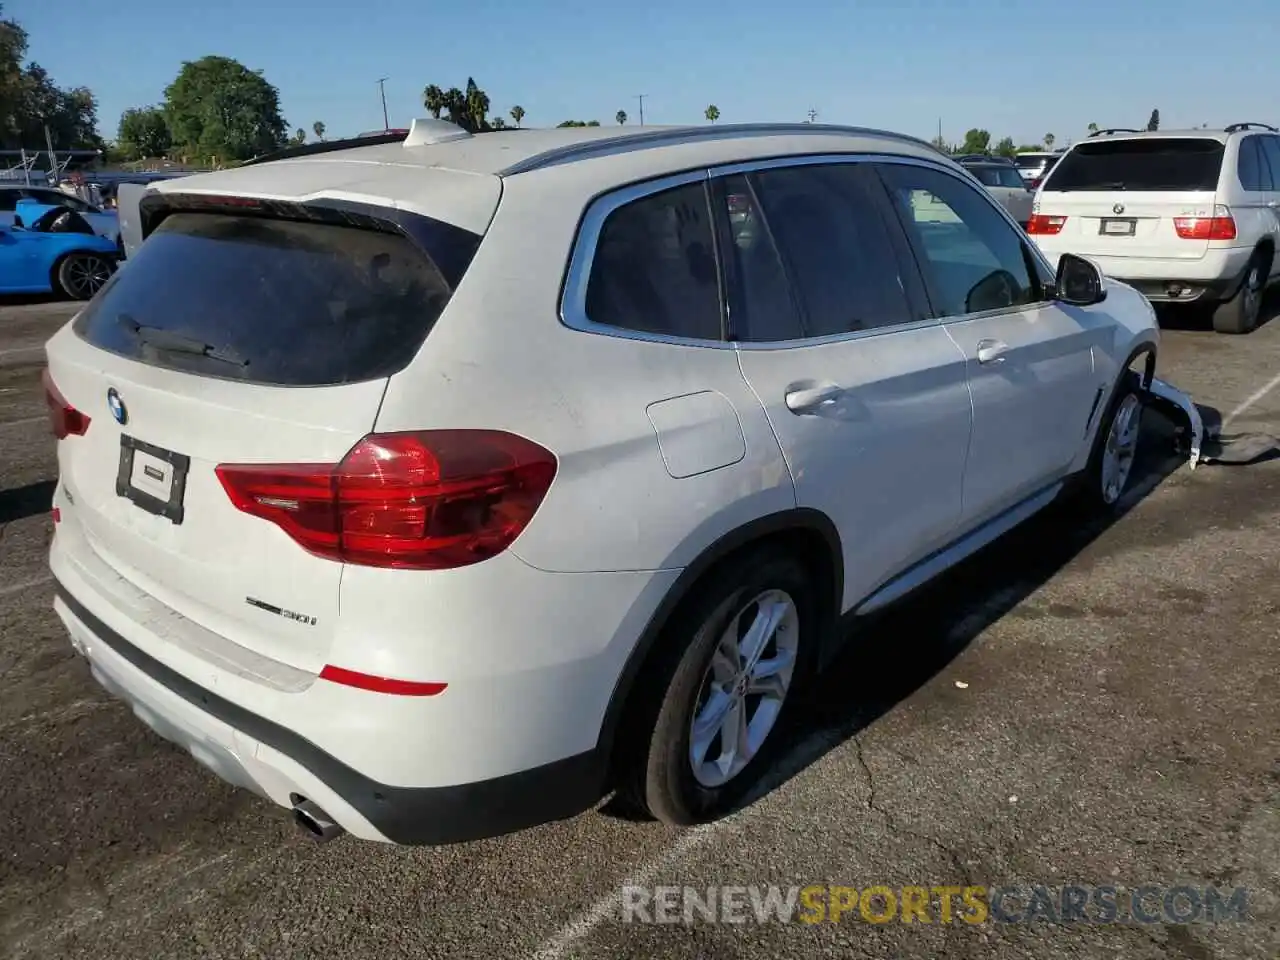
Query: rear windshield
x=1029 y=161
x=1000 y=176
x=1165 y=163
x=269 y=301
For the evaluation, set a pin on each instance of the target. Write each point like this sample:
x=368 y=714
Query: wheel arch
x=806 y=533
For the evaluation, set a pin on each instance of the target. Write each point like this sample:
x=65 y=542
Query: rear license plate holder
x=162 y=472
x=1118 y=227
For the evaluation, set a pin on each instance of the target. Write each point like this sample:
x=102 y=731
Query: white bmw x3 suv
x=439 y=488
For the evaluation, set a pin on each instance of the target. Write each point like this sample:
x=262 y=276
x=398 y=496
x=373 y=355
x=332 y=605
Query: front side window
x=654 y=269
x=975 y=259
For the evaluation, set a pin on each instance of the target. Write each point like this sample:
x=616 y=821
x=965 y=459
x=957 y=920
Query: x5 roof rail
x=1236 y=127
x=1100 y=133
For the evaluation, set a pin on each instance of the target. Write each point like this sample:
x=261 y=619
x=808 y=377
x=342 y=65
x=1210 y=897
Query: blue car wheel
x=81 y=275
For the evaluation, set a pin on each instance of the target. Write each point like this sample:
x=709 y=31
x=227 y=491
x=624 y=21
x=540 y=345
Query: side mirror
x=1079 y=282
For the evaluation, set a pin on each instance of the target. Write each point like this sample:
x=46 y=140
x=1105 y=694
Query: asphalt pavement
x=1091 y=706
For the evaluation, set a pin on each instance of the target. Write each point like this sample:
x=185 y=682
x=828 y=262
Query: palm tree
x=713 y=113
x=517 y=114
x=1048 y=141
x=1093 y=128
x=621 y=117
x=300 y=136
x=455 y=104
x=318 y=128
x=433 y=100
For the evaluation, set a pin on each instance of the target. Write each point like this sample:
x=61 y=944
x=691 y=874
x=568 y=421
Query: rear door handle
x=810 y=398
x=991 y=351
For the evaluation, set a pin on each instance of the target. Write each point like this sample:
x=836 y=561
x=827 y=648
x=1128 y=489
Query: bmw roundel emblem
x=116 y=406
x=1118 y=208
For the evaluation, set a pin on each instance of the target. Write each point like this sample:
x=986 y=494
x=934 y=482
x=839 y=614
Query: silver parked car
x=1003 y=181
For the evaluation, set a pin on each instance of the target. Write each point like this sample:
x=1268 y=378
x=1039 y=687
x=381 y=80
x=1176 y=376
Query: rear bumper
x=253 y=752
x=1215 y=276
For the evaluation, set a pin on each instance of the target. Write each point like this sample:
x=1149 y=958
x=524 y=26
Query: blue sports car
x=52 y=249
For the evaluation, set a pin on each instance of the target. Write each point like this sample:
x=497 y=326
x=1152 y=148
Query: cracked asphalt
x=1076 y=706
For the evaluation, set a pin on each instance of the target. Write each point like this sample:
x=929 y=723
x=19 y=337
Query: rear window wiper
x=172 y=342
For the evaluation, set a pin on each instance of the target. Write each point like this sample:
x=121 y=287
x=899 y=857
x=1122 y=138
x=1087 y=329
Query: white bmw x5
x=438 y=488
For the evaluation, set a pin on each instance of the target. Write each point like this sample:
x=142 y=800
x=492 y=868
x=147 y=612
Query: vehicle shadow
x=1193 y=317
x=30 y=501
x=872 y=675
x=27 y=299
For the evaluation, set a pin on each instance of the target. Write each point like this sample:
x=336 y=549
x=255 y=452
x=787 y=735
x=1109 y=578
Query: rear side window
x=654 y=269
x=1270 y=150
x=998 y=176
x=1164 y=163
x=836 y=246
x=1252 y=166
x=269 y=301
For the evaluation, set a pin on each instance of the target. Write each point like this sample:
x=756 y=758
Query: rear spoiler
x=128 y=197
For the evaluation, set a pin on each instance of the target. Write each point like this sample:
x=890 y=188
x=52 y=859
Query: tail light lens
x=1045 y=225
x=425 y=501
x=1221 y=226
x=64 y=419
x=1035 y=182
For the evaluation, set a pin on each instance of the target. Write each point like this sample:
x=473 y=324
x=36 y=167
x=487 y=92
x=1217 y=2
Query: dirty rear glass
x=269 y=301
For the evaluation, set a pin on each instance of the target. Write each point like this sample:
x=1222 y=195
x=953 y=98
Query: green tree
x=1031 y=148
x=976 y=141
x=621 y=117
x=1153 y=123
x=1093 y=128
x=940 y=144
x=477 y=108
x=299 y=137
x=1005 y=148
x=578 y=123
x=143 y=132
x=318 y=129
x=517 y=114
x=217 y=107
x=1048 y=141
x=433 y=100
x=712 y=113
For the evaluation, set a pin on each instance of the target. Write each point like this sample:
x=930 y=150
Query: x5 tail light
x=64 y=419
x=427 y=500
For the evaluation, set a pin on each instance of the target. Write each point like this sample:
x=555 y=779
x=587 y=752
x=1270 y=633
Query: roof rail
x=324 y=146
x=1102 y=133
x=1236 y=127
x=692 y=134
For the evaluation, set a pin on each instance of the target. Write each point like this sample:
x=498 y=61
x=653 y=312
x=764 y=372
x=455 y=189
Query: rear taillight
x=64 y=419
x=1035 y=182
x=1043 y=224
x=1221 y=226
x=425 y=501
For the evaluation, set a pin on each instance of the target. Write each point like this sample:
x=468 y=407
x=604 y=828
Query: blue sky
x=1016 y=67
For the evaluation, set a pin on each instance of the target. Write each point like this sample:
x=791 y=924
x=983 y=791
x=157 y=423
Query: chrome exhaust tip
x=314 y=822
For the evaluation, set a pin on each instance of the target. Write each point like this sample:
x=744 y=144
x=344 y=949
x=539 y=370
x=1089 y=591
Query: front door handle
x=809 y=398
x=991 y=351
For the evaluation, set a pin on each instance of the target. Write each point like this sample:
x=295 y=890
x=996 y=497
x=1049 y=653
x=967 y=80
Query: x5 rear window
x=269 y=301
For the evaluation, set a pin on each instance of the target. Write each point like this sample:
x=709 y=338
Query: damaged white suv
x=436 y=488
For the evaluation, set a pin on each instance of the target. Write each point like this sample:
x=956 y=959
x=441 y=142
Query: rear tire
x=80 y=275
x=681 y=774
x=1240 y=313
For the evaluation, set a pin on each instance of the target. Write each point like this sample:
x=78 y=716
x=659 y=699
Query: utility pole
x=813 y=115
x=640 y=97
x=382 y=88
